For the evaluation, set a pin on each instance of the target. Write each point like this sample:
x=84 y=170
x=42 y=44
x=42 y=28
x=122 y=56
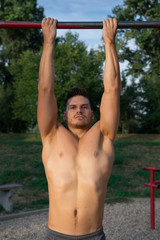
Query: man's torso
x=77 y=172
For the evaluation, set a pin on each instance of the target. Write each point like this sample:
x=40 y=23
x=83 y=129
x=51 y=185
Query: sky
x=80 y=10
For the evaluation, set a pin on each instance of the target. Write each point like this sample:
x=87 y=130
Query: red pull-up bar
x=81 y=25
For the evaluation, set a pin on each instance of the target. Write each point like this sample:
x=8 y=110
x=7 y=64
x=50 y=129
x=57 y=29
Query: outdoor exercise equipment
x=153 y=184
x=81 y=25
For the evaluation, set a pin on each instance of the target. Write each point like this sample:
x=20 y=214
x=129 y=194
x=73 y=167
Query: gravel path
x=122 y=221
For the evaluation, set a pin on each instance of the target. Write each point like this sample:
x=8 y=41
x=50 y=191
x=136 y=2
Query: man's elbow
x=113 y=89
x=42 y=87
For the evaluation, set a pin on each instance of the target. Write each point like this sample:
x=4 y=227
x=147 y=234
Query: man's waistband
x=53 y=235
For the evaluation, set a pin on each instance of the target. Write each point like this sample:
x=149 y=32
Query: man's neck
x=78 y=133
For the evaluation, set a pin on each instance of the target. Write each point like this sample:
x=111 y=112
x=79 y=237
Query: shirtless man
x=78 y=160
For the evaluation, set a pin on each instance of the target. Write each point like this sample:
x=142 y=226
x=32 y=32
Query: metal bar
x=81 y=25
x=152 y=202
x=157 y=182
x=151 y=168
x=152 y=185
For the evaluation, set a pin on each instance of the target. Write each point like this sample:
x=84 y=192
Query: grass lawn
x=20 y=162
x=131 y=153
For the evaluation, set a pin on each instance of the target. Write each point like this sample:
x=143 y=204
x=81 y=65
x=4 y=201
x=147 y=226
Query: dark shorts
x=53 y=235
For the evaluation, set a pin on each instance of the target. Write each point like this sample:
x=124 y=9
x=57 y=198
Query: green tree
x=151 y=103
x=129 y=106
x=7 y=124
x=141 y=48
x=25 y=83
x=14 y=42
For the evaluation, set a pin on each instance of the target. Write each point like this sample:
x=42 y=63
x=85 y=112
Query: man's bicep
x=47 y=112
x=110 y=113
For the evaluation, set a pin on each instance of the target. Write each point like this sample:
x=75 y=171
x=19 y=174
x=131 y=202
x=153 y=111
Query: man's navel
x=95 y=154
x=61 y=154
x=75 y=218
x=75 y=212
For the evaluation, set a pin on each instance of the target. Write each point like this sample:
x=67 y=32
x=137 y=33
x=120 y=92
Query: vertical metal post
x=153 y=184
x=152 y=202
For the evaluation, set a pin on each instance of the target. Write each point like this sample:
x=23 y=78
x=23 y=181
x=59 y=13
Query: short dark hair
x=76 y=92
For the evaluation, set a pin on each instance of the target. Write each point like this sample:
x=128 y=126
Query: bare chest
x=69 y=162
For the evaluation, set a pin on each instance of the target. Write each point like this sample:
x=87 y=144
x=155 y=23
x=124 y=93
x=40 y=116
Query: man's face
x=78 y=113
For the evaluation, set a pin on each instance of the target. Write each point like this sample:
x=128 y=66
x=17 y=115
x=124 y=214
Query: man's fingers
x=43 y=21
x=55 y=22
x=49 y=21
x=108 y=22
x=111 y=22
x=105 y=22
x=115 y=22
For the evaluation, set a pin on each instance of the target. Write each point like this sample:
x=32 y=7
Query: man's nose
x=79 y=109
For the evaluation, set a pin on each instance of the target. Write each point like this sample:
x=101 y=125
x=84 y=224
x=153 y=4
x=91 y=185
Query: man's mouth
x=79 y=116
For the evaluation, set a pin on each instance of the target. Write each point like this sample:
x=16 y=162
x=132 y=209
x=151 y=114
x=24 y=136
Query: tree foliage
x=13 y=42
x=141 y=48
x=25 y=83
x=128 y=103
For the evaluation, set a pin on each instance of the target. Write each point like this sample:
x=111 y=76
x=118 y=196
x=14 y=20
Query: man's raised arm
x=47 y=105
x=110 y=103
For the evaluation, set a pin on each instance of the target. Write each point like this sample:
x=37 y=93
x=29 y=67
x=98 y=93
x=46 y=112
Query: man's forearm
x=46 y=70
x=111 y=71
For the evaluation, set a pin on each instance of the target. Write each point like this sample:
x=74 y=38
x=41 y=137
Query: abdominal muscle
x=76 y=211
x=76 y=199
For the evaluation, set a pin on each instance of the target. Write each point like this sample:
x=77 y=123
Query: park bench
x=6 y=192
x=152 y=184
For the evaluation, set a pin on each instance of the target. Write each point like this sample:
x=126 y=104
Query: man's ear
x=64 y=116
x=92 y=116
